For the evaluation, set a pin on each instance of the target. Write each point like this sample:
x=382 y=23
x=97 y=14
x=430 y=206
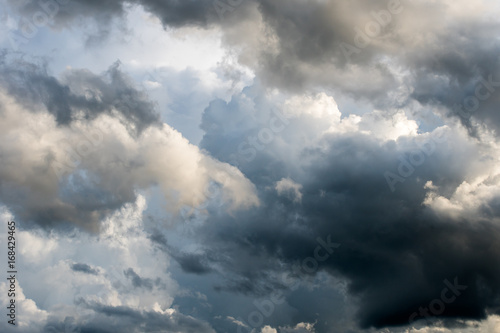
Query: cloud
x=192 y=263
x=299 y=328
x=399 y=48
x=80 y=94
x=283 y=55
x=392 y=244
x=81 y=171
x=64 y=296
x=84 y=268
x=371 y=124
x=33 y=315
x=109 y=318
x=288 y=187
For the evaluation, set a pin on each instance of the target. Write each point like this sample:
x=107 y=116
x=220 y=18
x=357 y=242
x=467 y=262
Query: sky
x=250 y=166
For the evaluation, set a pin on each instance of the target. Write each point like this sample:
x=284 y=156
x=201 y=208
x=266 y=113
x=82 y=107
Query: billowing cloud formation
x=287 y=187
x=393 y=243
x=82 y=169
x=100 y=295
x=365 y=154
x=364 y=48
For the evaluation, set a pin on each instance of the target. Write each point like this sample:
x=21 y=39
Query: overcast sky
x=251 y=166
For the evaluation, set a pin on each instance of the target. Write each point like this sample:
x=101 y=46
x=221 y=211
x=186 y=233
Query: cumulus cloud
x=372 y=125
x=391 y=42
x=81 y=171
x=344 y=194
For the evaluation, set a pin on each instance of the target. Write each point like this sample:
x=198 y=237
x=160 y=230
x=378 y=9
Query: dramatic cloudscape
x=250 y=166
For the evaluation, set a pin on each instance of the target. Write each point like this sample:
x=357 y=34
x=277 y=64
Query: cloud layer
x=346 y=179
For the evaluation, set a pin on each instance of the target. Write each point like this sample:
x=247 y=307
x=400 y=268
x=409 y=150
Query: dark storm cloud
x=79 y=91
x=310 y=35
x=395 y=252
x=158 y=238
x=84 y=268
x=469 y=99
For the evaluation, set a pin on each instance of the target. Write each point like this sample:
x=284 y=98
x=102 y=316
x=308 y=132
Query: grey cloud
x=192 y=263
x=189 y=262
x=177 y=13
x=137 y=281
x=172 y=13
x=79 y=91
x=152 y=321
x=309 y=35
x=396 y=251
x=107 y=319
x=302 y=44
x=84 y=268
x=302 y=47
